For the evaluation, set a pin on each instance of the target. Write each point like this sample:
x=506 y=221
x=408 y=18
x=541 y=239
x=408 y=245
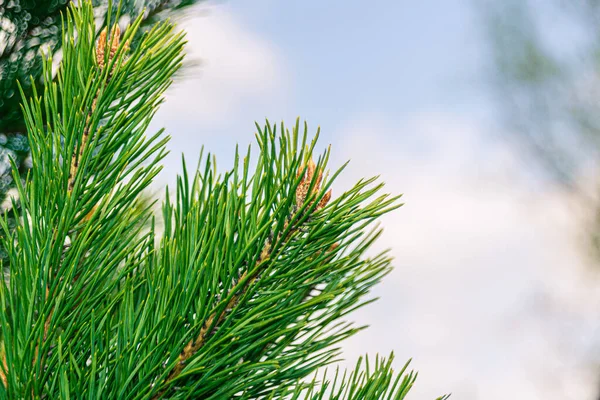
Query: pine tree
x=244 y=294
x=28 y=29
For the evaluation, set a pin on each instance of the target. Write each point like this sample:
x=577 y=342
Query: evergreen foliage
x=245 y=293
x=29 y=29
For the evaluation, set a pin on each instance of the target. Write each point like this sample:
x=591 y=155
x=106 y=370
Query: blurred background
x=486 y=116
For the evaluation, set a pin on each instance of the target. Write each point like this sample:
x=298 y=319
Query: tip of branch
x=112 y=47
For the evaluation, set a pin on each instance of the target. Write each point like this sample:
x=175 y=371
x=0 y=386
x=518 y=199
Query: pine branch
x=28 y=30
x=364 y=382
x=101 y=55
x=213 y=322
x=248 y=290
x=299 y=251
x=63 y=271
x=36 y=27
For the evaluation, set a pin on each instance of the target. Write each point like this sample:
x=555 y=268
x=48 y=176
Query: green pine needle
x=247 y=291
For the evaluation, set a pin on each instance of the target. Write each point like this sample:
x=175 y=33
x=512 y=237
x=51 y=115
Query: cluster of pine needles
x=242 y=295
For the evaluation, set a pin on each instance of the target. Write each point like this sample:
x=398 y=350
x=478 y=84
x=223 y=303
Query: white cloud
x=487 y=295
x=237 y=65
x=240 y=78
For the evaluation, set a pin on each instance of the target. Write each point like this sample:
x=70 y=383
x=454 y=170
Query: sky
x=490 y=296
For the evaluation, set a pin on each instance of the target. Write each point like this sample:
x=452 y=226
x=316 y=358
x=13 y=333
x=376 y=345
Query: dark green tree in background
x=29 y=29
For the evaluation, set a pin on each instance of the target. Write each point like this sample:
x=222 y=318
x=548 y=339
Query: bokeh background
x=466 y=108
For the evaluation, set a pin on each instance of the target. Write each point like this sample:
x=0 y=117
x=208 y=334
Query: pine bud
x=310 y=170
x=115 y=37
x=317 y=186
x=100 y=47
x=302 y=191
x=324 y=200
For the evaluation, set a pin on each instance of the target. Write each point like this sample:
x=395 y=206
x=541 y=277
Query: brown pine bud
x=317 y=186
x=324 y=200
x=100 y=48
x=301 y=192
x=115 y=37
x=310 y=170
x=302 y=189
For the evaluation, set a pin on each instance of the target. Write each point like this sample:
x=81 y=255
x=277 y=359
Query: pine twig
x=100 y=56
x=215 y=319
x=78 y=153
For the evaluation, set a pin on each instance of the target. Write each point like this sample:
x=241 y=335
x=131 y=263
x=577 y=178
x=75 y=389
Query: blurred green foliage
x=545 y=79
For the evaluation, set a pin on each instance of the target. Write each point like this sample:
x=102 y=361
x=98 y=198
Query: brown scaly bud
x=100 y=47
x=264 y=254
x=302 y=189
x=324 y=200
x=302 y=192
x=115 y=37
x=112 y=47
x=304 y=185
x=317 y=186
x=310 y=170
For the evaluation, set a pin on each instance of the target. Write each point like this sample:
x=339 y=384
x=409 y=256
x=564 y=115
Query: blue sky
x=484 y=296
x=344 y=58
x=387 y=55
